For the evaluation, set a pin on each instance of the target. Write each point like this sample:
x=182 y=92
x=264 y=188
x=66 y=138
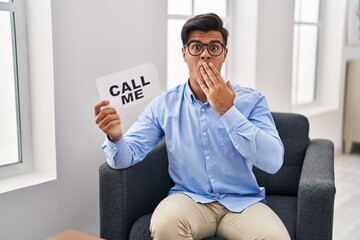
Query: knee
x=169 y=227
x=171 y=224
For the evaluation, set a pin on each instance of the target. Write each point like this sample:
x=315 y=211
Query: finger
x=206 y=77
x=109 y=121
x=211 y=73
x=104 y=113
x=107 y=128
x=228 y=85
x=215 y=73
x=231 y=90
x=203 y=86
x=99 y=105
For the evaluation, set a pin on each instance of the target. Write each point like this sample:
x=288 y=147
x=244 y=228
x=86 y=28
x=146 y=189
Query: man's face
x=195 y=62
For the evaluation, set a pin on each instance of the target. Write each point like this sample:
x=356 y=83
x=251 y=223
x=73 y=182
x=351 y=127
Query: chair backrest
x=294 y=133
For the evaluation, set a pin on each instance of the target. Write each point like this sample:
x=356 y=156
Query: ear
x=183 y=53
x=225 y=53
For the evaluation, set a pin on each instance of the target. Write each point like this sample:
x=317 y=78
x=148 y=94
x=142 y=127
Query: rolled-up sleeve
x=117 y=154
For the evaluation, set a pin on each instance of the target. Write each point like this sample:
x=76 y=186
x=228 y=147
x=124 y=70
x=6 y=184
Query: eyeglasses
x=214 y=48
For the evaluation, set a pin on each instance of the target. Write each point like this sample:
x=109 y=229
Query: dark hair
x=203 y=22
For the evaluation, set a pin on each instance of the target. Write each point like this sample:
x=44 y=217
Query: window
x=38 y=155
x=15 y=142
x=305 y=51
x=178 y=12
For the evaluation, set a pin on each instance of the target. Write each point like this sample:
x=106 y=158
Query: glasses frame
x=203 y=47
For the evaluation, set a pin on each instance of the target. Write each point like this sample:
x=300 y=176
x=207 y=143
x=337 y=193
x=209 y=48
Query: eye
x=214 y=47
x=196 y=46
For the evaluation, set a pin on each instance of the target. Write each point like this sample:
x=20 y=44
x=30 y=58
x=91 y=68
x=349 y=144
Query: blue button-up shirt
x=210 y=156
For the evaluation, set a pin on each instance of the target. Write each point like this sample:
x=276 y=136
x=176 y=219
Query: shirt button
x=203 y=110
x=207 y=157
x=204 y=133
x=212 y=180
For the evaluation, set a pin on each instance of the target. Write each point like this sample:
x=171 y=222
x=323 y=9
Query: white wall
x=90 y=39
x=242 y=42
x=274 y=52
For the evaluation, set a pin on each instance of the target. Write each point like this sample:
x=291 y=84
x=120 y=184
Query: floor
x=347 y=199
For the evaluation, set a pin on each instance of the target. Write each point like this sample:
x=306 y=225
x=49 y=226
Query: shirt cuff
x=232 y=118
x=111 y=149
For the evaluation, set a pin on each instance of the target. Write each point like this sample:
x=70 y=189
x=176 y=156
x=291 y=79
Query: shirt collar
x=189 y=93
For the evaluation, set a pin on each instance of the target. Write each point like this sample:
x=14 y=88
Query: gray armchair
x=302 y=192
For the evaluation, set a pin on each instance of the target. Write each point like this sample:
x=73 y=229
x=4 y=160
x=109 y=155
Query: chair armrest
x=316 y=192
x=127 y=194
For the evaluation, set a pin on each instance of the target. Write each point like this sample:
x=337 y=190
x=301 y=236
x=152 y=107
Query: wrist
x=114 y=138
x=224 y=110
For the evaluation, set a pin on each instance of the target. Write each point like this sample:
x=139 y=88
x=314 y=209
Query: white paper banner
x=130 y=87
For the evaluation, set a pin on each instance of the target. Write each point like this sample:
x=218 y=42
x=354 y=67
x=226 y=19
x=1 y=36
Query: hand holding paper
x=124 y=89
x=108 y=121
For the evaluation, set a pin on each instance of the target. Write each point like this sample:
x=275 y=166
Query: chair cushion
x=140 y=229
x=284 y=206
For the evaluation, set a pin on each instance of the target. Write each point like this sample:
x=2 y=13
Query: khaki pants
x=179 y=217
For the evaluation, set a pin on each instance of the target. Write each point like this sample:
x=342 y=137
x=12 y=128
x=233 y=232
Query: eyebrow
x=213 y=41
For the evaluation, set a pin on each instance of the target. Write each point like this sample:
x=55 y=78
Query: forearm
x=258 y=143
x=117 y=153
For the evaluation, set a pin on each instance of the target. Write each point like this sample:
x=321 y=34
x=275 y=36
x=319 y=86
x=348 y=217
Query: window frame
x=22 y=90
x=316 y=83
x=42 y=94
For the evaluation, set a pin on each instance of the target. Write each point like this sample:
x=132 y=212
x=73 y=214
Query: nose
x=205 y=54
